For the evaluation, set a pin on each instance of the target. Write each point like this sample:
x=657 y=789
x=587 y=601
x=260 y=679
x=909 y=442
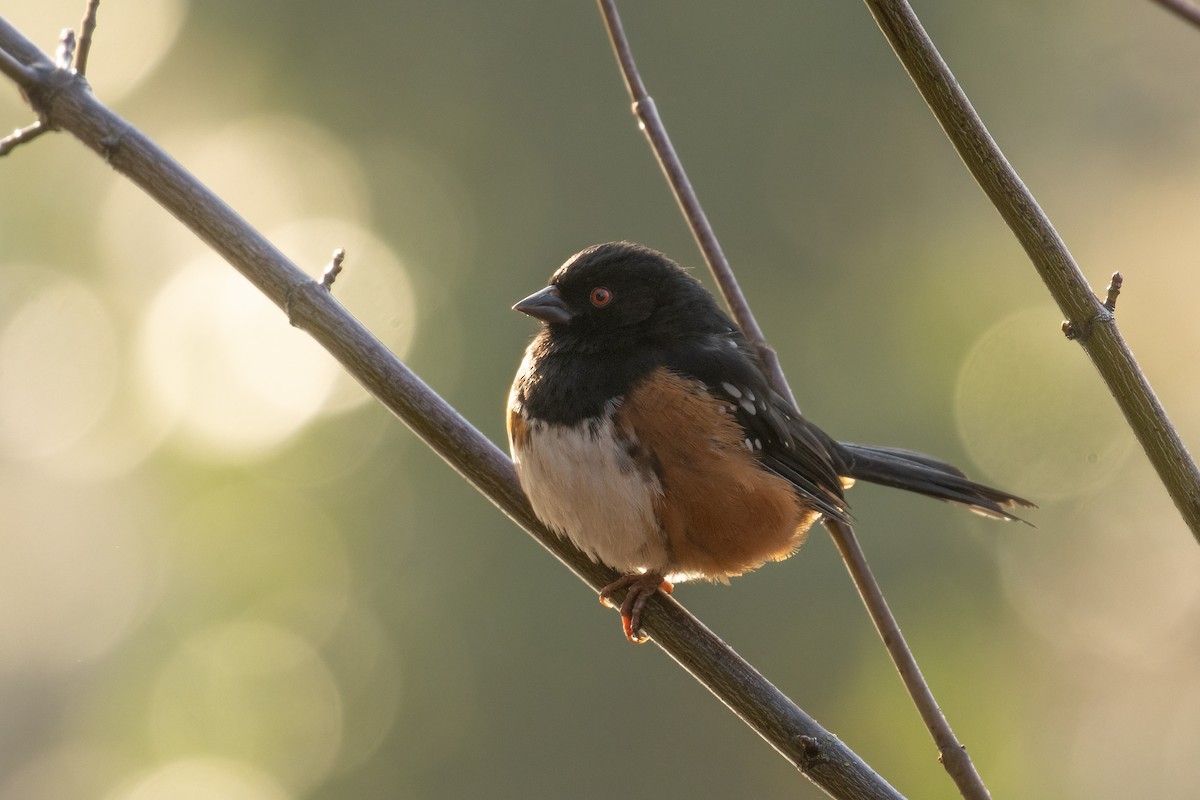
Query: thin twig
x=86 y=28
x=1188 y=11
x=820 y=755
x=334 y=269
x=954 y=757
x=647 y=114
x=22 y=136
x=1088 y=321
x=950 y=751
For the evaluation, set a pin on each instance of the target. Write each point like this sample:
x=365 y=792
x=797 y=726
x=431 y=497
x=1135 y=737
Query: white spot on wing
x=731 y=390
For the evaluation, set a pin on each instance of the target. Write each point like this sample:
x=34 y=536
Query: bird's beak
x=546 y=305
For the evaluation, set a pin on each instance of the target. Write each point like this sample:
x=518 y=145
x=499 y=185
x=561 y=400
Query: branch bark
x=63 y=99
x=1093 y=325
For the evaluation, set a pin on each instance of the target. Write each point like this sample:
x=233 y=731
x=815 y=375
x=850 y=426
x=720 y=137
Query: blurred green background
x=225 y=572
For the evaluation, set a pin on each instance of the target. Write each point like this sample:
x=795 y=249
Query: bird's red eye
x=600 y=297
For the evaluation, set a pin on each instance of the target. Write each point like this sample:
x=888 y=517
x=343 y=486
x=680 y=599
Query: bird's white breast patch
x=584 y=483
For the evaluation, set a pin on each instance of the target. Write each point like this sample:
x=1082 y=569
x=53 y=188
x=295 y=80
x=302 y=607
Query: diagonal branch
x=67 y=103
x=1092 y=324
x=952 y=754
x=16 y=71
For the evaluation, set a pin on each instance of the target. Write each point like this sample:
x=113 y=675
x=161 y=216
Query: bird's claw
x=641 y=587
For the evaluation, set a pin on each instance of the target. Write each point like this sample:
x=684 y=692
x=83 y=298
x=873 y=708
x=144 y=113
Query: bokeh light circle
x=58 y=362
x=75 y=576
x=1032 y=412
x=253 y=692
x=202 y=778
x=222 y=361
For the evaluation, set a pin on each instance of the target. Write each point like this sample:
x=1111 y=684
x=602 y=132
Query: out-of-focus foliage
x=226 y=573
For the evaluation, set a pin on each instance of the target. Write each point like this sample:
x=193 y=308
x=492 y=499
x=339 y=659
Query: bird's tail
x=917 y=472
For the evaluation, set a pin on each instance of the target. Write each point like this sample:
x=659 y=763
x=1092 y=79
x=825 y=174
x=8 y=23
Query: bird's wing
x=784 y=442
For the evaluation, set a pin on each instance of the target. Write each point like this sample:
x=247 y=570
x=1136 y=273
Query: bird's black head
x=618 y=295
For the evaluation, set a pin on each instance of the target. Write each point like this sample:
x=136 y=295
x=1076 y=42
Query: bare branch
x=20 y=74
x=1190 y=12
x=1090 y=323
x=951 y=752
x=815 y=751
x=86 y=28
x=953 y=755
x=647 y=114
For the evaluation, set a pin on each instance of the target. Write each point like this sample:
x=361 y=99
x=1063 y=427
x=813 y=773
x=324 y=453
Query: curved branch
x=1091 y=323
x=819 y=754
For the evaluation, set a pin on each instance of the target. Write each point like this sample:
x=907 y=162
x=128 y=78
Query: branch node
x=810 y=747
x=644 y=109
x=39 y=83
x=110 y=143
x=1081 y=331
x=333 y=270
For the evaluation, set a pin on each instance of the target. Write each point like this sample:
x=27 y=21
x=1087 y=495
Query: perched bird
x=644 y=430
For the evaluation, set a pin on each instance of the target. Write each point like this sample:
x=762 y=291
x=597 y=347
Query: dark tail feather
x=917 y=472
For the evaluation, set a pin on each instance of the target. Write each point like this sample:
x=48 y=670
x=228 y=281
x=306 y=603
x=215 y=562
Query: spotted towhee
x=644 y=430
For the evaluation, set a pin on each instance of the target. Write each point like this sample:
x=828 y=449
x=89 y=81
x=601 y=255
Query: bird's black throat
x=564 y=386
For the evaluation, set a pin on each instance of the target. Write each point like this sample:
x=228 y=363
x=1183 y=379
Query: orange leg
x=641 y=588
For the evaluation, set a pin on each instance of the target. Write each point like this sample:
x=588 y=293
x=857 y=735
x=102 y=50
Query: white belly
x=583 y=484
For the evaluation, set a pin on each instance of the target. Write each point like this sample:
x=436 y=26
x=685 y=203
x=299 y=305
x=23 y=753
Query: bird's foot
x=642 y=587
